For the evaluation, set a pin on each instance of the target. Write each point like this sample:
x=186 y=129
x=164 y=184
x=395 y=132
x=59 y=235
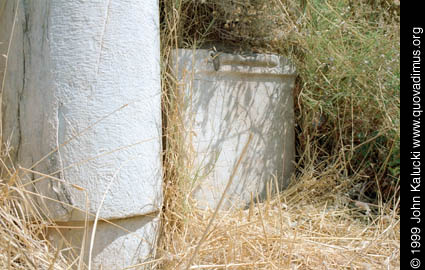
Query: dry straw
x=327 y=218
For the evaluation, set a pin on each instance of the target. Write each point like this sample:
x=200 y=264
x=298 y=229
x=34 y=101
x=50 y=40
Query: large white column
x=86 y=93
x=227 y=97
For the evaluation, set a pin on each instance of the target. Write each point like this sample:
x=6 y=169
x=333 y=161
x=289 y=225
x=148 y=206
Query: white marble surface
x=85 y=81
x=227 y=97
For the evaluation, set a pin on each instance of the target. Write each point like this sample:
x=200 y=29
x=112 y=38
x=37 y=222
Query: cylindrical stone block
x=226 y=98
x=125 y=243
x=82 y=105
x=91 y=97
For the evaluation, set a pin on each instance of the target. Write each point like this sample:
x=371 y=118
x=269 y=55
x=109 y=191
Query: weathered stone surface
x=13 y=82
x=83 y=87
x=81 y=104
x=227 y=97
x=131 y=241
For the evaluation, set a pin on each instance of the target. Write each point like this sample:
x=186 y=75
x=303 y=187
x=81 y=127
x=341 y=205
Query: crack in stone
x=62 y=193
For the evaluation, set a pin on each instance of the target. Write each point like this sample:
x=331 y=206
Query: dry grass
x=23 y=243
x=314 y=224
x=290 y=232
x=341 y=212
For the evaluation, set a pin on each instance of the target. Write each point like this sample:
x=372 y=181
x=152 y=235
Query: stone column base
x=129 y=242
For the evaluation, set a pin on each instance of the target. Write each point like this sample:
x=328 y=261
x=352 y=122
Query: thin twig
x=5 y=71
x=221 y=201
